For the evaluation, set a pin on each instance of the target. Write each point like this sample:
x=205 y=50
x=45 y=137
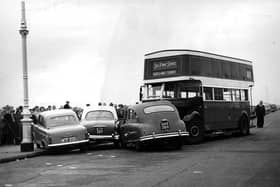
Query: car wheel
x=244 y=128
x=117 y=144
x=83 y=148
x=123 y=145
x=43 y=145
x=38 y=146
x=177 y=144
x=196 y=130
x=122 y=142
x=139 y=146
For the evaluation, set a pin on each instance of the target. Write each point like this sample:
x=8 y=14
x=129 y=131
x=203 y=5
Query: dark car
x=152 y=123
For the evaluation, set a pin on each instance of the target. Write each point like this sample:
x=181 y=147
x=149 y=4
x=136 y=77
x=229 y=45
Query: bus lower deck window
x=218 y=93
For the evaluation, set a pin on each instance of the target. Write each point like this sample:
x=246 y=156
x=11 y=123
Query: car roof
x=94 y=108
x=51 y=113
x=139 y=108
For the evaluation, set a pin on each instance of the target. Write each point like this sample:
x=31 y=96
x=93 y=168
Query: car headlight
x=86 y=135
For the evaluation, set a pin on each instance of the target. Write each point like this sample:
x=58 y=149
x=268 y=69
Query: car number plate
x=164 y=125
x=68 y=139
x=99 y=130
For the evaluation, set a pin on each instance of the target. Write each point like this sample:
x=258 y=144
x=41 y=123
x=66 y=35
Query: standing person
x=18 y=118
x=9 y=127
x=2 y=125
x=67 y=105
x=260 y=113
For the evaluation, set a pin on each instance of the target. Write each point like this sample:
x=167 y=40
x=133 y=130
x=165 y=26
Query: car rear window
x=158 y=108
x=62 y=120
x=99 y=115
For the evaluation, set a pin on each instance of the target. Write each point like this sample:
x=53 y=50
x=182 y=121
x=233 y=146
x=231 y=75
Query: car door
x=128 y=128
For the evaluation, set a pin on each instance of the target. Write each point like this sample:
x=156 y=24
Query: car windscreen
x=158 y=108
x=99 y=115
x=61 y=121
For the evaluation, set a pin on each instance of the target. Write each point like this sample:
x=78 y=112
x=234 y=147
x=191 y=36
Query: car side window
x=41 y=121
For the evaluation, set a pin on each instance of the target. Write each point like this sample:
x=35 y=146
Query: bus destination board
x=164 y=68
x=164 y=65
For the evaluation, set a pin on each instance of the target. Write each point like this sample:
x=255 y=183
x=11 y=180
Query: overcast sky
x=87 y=51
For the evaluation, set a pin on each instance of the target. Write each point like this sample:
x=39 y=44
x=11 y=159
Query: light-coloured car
x=152 y=123
x=101 y=123
x=60 y=129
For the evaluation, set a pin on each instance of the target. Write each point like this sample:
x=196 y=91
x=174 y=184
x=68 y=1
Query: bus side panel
x=218 y=115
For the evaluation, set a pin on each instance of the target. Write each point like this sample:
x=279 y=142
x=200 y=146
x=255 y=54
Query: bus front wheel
x=244 y=127
x=196 y=131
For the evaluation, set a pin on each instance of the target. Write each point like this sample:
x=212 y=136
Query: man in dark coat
x=9 y=129
x=67 y=105
x=260 y=113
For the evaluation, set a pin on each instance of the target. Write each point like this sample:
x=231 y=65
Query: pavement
x=10 y=153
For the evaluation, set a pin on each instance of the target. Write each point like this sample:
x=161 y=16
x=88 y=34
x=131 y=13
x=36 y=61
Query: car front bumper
x=163 y=136
x=104 y=137
x=66 y=144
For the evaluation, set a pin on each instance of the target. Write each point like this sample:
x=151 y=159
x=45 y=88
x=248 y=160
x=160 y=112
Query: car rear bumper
x=163 y=136
x=104 y=137
x=66 y=144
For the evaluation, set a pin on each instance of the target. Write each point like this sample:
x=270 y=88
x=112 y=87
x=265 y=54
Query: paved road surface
x=224 y=161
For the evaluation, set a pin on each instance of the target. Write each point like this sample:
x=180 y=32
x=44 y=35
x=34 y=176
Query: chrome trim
x=164 y=135
x=116 y=137
x=68 y=143
x=103 y=137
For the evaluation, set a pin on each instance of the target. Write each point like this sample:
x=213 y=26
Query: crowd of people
x=10 y=119
x=10 y=125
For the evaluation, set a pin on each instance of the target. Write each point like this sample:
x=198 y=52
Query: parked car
x=273 y=107
x=59 y=129
x=101 y=123
x=152 y=123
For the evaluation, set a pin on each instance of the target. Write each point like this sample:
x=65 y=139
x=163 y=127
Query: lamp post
x=27 y=143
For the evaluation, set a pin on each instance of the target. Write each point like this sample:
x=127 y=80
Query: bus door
x=229 y=110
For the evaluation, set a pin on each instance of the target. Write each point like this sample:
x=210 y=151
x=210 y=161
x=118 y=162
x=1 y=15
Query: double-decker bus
x=210 y=91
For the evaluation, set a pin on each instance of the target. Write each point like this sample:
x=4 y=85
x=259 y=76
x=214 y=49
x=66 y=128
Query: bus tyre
x=196 y=130
x=244 y=127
